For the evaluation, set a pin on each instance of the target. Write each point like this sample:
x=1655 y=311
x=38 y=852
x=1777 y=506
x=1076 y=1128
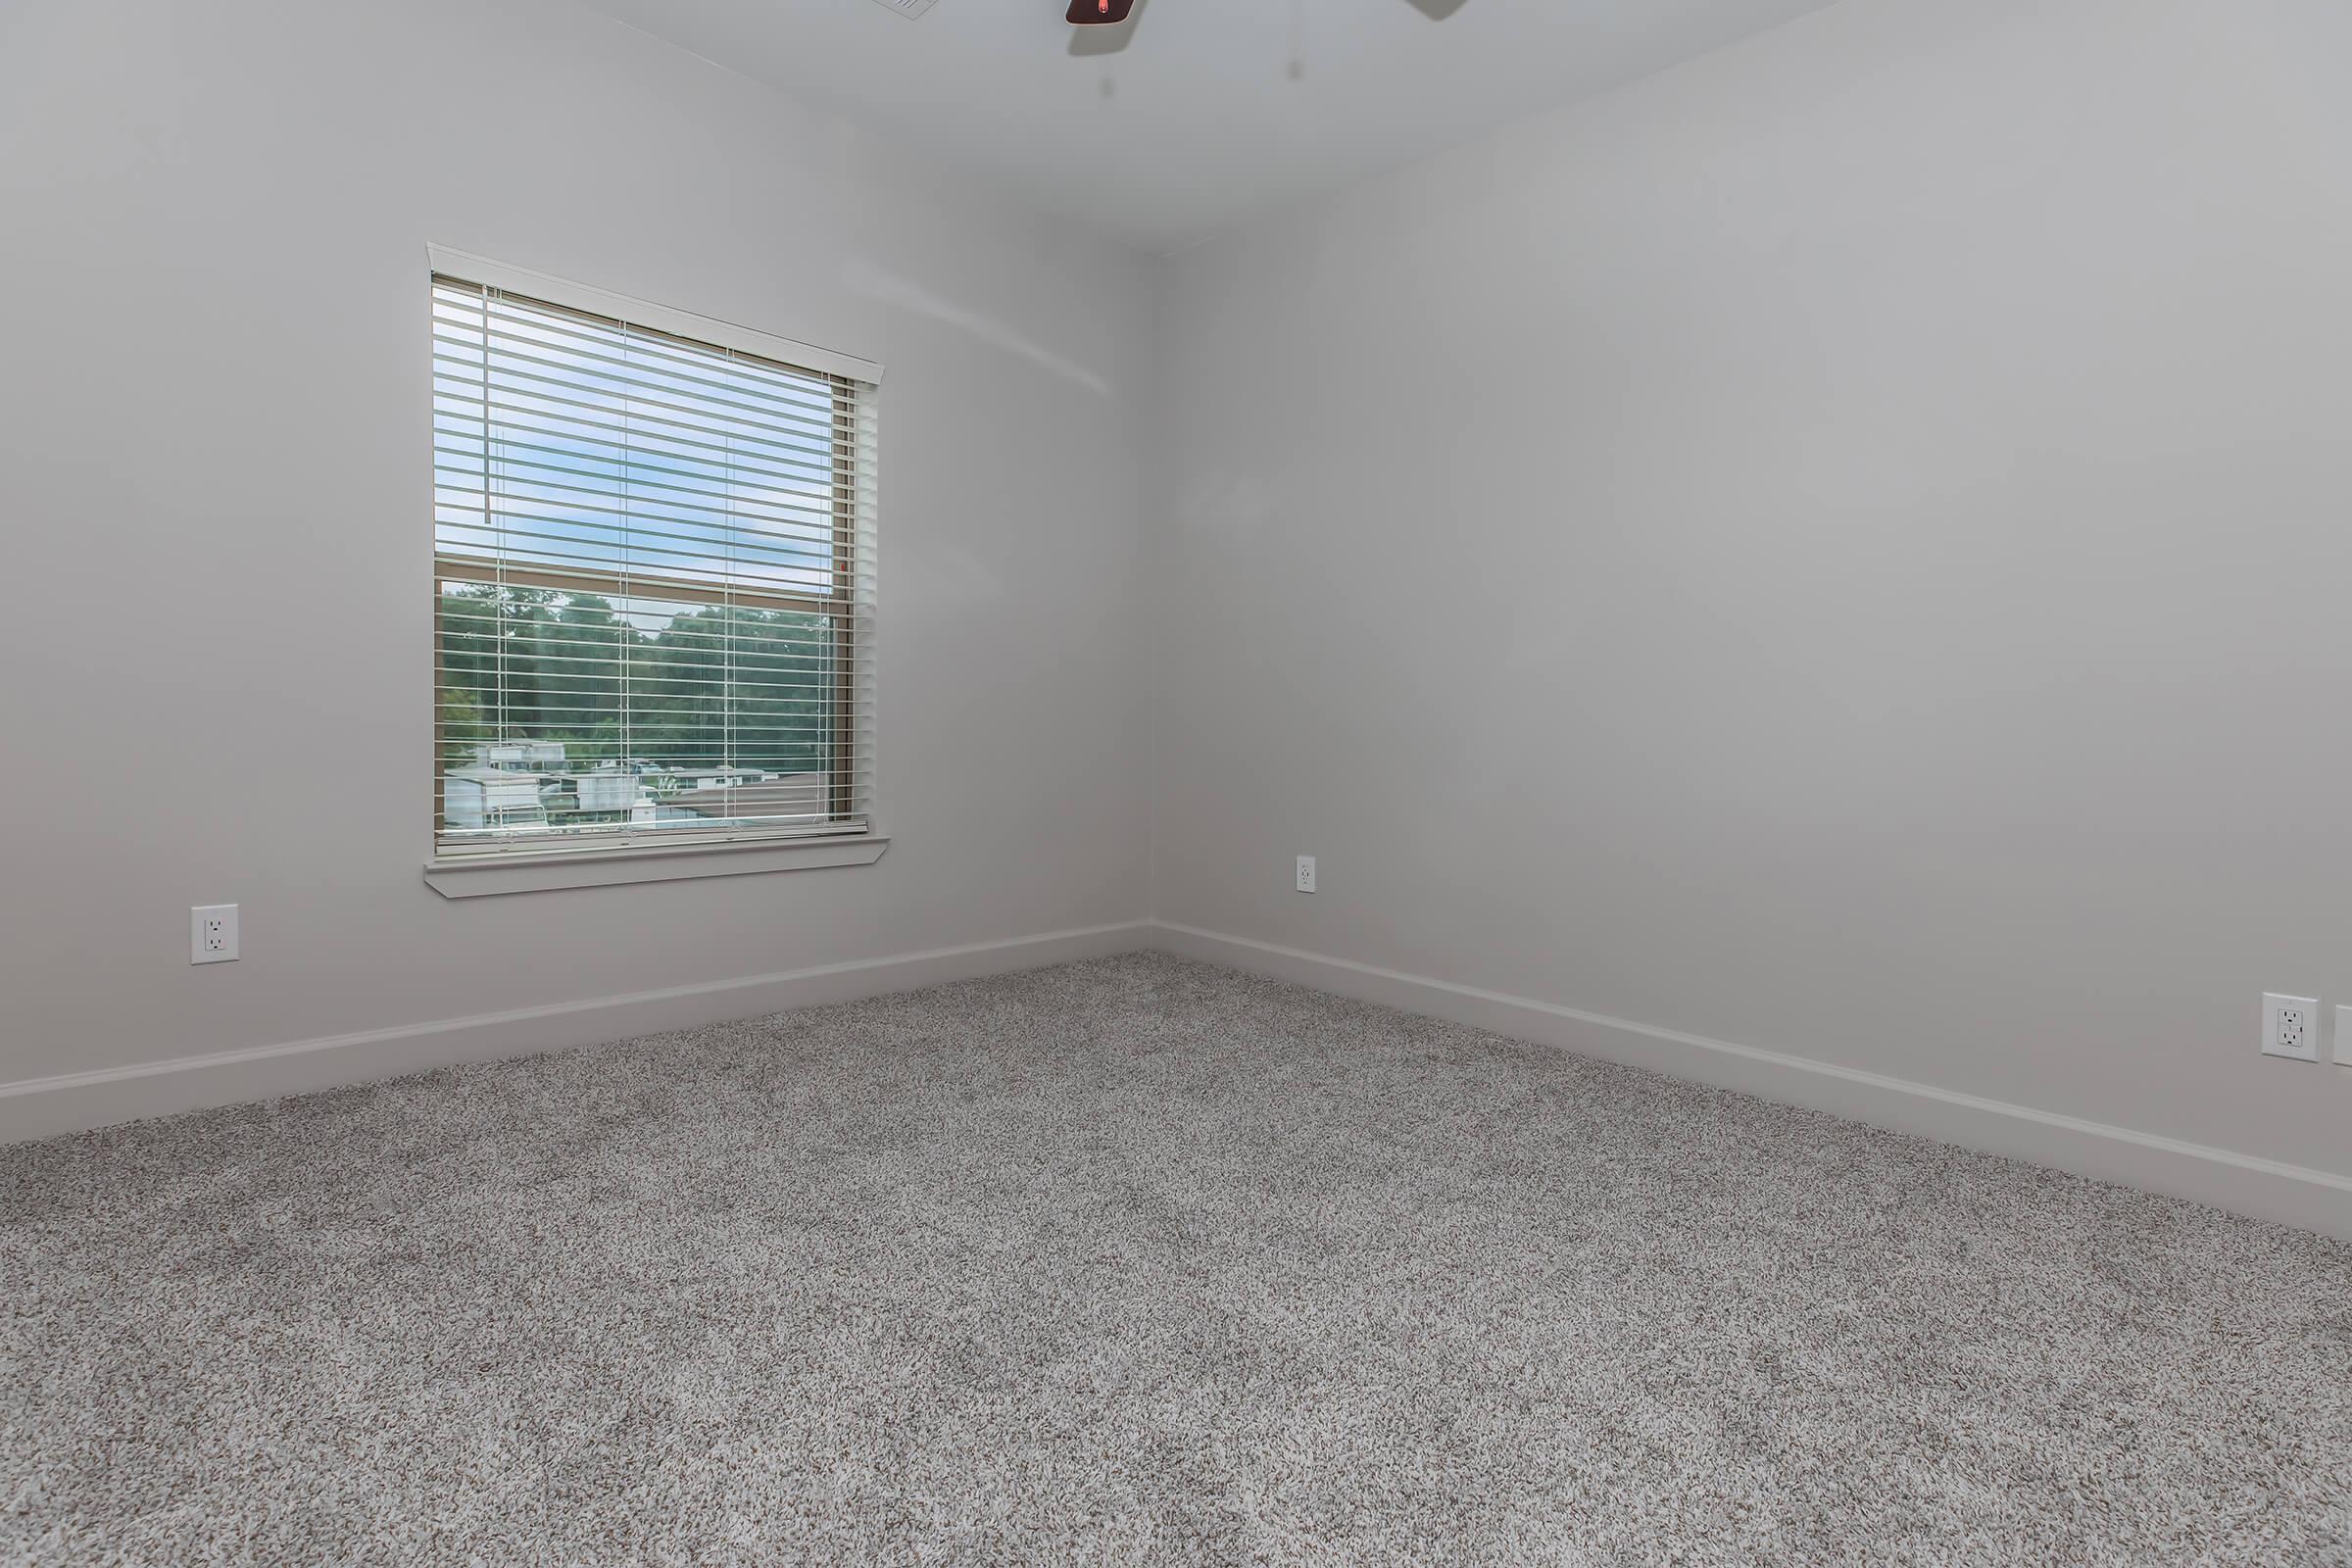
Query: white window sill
x=475 y=876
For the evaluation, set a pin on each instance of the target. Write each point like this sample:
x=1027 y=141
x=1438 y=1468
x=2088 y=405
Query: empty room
x=1225 y=782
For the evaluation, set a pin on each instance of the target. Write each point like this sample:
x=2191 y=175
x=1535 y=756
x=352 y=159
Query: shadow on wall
x=887 y=289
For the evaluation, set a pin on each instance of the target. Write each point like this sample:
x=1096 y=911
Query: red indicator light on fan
x=1098 y=13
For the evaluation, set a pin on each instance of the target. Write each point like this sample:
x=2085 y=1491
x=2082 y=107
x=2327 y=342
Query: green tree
x=718 y=685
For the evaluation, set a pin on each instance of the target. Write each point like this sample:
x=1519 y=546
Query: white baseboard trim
x=44 y=1108
x=2244 y=1184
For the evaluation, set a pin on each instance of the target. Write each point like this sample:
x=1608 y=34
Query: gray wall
x=214 y=469
x=1832 y=547
x=1835 y=547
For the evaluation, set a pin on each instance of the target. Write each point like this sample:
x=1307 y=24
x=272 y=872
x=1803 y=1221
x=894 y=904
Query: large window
x=653 y=576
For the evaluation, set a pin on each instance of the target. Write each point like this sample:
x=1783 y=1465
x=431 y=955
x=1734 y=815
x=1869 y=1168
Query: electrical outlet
x=2290 y=1027
x=212 y=933
x=1306 y=873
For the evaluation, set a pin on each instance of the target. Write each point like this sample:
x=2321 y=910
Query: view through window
x=652 y=575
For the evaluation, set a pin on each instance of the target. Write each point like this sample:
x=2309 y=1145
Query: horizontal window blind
x=653 y=587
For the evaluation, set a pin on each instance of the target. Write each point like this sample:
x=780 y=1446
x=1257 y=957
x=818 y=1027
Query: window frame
x=618 y=854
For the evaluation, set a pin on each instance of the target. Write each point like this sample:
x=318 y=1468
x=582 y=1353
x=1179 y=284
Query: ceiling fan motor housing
x=1098 y=13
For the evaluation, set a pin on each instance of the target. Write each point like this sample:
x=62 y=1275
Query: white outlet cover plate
x=1306 y=873
x=203 y=947
x=2290 y=1027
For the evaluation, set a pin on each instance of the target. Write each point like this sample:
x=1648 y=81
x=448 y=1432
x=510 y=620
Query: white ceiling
x=1216 y=109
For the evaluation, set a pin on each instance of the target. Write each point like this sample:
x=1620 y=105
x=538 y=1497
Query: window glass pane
x=645 y=616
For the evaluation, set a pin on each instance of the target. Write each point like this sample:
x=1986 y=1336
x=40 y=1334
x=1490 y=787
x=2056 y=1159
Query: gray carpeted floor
x=1134 y=1261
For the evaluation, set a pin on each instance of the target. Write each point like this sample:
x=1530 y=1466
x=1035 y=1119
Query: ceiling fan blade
x=1098 y=13
x=1436 y=9
x=1094 y=39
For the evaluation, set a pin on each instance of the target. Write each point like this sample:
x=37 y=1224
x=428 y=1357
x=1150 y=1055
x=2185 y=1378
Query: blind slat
x=586 y=360
x=514 y=489
x=506 y=373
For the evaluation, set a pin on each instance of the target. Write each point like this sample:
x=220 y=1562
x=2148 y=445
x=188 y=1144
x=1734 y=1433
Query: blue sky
x=585 y=447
